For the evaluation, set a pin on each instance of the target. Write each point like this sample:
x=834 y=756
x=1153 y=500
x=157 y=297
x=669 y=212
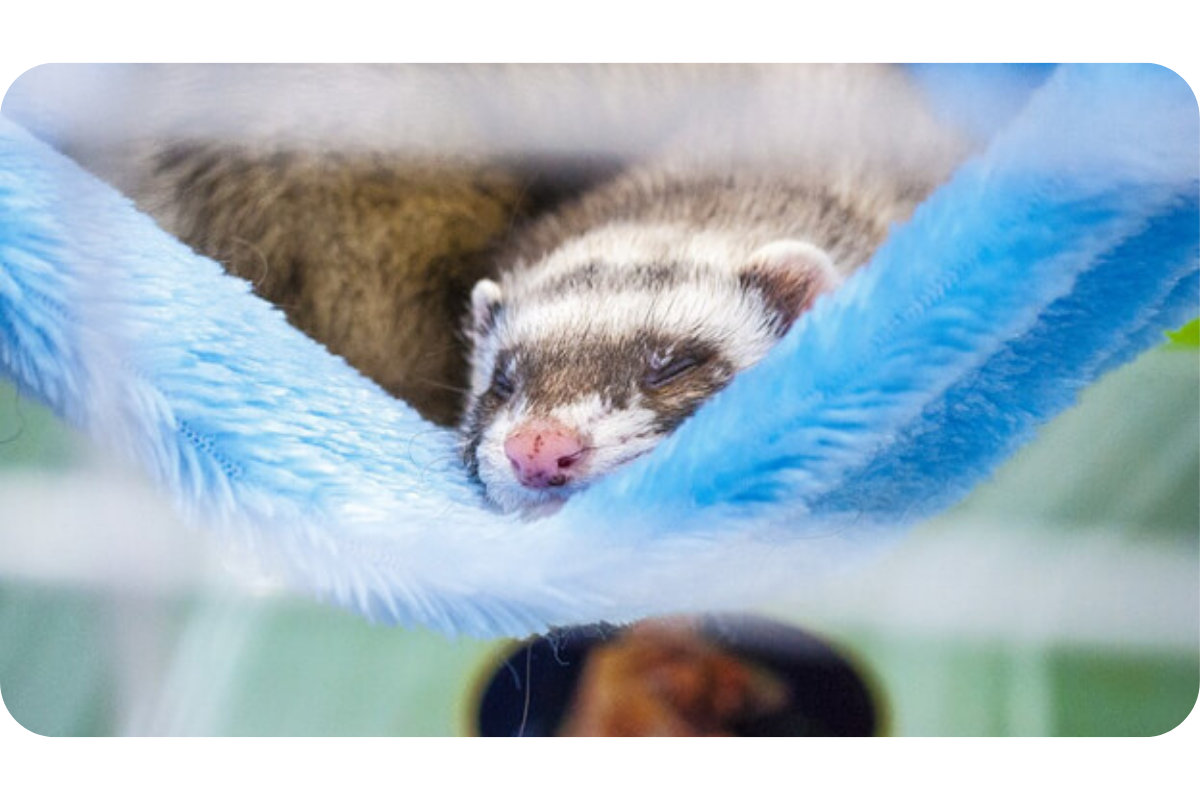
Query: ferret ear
x=790 y=275
x=485 y=303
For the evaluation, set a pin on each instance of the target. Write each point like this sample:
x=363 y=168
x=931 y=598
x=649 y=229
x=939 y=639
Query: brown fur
x=372 y=257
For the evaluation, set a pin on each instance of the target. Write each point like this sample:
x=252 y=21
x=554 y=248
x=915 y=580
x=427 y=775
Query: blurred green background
x=1060 y=599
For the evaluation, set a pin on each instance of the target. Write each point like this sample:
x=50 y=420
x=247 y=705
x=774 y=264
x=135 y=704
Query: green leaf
x=1186 y=338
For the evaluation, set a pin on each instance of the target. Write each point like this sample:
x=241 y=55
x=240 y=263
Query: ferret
x=614 y=318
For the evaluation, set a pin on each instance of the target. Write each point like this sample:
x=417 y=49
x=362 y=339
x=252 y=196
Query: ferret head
x=587 y=360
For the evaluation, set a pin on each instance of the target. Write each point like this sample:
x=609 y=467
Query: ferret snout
x=543 y=453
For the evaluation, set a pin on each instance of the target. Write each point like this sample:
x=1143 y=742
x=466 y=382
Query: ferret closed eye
x=665 y=369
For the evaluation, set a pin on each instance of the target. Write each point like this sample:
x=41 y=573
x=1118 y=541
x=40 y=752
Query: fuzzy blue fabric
x=1062 y=251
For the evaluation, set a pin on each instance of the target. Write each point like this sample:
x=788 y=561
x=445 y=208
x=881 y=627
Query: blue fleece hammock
x=1062 y=251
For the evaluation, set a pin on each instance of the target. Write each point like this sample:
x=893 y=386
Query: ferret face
x=587 y=360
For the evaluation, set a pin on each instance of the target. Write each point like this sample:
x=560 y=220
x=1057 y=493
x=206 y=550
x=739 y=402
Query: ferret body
x=616 y=316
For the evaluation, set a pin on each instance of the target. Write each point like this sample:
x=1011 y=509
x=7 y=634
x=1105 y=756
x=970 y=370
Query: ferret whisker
x=262 y=258
x=460 y=390
x=441 y=351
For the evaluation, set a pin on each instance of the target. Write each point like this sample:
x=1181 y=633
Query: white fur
x=806 y=258
x=485 y=297
x=709 y=305
x=614 y=437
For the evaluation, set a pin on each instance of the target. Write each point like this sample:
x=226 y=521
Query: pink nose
x=542 y=453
